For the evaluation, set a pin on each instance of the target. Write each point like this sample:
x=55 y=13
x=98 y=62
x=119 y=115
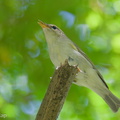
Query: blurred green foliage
x=25 y=67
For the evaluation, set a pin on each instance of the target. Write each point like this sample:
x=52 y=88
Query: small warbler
x=60 y=48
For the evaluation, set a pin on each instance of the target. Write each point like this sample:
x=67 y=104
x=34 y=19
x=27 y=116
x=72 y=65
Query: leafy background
x=25 y=67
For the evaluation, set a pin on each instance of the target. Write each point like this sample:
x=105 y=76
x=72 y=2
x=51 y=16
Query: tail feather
x=112 y=101
x=109 y=98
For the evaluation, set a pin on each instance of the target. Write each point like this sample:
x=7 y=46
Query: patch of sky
x=83 y=31
x=68 y=17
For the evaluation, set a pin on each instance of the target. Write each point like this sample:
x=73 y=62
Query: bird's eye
x=54 y=27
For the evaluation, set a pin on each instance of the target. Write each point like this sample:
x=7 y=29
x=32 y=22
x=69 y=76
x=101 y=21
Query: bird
x=60 y=48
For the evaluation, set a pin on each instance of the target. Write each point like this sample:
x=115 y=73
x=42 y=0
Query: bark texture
x=57 y=92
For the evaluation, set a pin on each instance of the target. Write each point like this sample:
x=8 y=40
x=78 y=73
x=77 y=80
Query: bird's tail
x=109 y=98
x=112 y=101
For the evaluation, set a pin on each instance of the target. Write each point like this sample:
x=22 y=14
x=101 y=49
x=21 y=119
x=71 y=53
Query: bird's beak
x=42 y=24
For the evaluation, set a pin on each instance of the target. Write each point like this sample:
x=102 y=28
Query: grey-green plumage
x=60 y=48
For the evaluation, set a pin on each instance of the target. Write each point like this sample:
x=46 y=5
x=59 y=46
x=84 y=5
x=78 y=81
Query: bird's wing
x=98 y=73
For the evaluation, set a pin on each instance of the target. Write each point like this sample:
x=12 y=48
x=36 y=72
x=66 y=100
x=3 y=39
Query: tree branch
x=57 y=92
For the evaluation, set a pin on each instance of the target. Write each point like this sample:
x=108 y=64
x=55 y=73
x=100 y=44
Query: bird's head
x=51 y=31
